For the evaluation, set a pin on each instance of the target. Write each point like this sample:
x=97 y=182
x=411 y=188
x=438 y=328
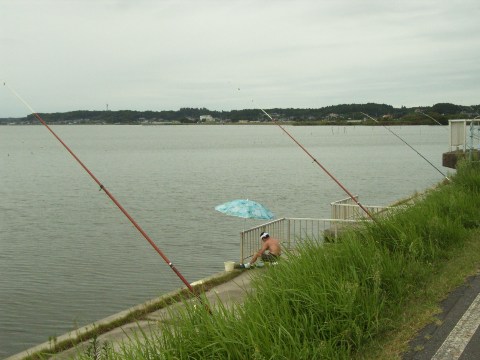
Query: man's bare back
x=272 y=245
x=269 y=243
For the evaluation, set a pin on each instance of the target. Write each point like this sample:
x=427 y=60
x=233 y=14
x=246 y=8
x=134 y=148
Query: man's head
x=264 y=235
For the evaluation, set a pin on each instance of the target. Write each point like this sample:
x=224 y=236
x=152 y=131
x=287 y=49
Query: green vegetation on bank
x=353 y=298
x=336 y=114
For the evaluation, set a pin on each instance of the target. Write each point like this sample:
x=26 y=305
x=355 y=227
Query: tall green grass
x=328 y=301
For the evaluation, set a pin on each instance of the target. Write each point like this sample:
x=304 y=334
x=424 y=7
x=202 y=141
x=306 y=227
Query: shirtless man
x=272 y=245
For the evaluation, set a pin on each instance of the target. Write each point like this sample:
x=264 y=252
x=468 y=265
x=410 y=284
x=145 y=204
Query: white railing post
x=288 y=234
x=242 y=242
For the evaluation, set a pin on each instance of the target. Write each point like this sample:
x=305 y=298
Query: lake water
x=69 y=257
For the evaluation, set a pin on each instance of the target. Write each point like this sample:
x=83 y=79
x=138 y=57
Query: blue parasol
x=247 y=209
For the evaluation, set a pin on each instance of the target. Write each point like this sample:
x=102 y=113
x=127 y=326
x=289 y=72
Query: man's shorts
x=269 y=257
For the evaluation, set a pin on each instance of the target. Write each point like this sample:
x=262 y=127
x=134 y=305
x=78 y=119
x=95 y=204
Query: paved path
x=229 y=292
x=457 y=333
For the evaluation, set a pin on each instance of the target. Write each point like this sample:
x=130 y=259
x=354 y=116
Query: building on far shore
x=207 y=118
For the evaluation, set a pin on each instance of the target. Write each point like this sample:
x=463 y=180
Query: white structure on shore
x=207 y=118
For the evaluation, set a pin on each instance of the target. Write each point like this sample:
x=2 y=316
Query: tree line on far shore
x=335 y=114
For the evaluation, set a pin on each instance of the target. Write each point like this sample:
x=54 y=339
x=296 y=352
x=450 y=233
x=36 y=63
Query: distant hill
x=336 y=114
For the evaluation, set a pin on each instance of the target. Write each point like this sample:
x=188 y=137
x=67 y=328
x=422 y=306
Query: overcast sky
x=64 y=55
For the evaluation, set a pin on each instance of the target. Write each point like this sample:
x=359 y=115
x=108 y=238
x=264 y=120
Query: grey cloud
x=68 y=55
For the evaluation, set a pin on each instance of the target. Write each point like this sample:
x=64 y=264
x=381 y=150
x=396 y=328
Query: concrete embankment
x=227 y=287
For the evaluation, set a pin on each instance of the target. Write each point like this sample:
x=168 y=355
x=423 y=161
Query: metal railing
x=348 y=209
x=289 y=231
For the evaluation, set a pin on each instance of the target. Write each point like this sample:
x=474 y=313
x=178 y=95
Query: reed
x=331 y=300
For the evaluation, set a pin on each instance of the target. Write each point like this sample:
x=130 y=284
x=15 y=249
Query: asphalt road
x=457 y=333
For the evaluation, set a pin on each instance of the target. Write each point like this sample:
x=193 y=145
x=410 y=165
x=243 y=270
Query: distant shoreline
x=250 y=123
x=343 y=114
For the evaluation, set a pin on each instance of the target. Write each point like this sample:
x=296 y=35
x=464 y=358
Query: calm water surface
x=69 y=257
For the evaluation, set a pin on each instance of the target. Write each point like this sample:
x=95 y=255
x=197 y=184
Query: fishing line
x=105 y=190
x=421 y=112
x=321 y=166
x=411 y=147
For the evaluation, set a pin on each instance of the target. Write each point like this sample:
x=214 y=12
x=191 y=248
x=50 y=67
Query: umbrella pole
x=242 y=240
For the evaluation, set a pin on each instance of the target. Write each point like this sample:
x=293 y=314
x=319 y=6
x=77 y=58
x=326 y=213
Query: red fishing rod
x=321 y=166
x=105 y=190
